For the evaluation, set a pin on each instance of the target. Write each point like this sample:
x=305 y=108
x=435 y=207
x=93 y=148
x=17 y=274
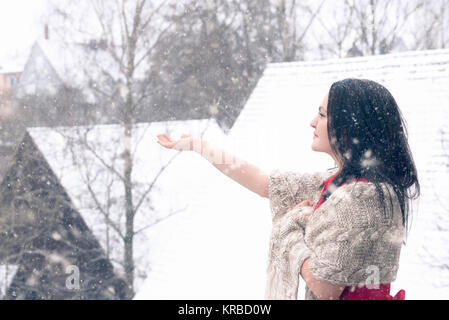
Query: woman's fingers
x=306 y=212
x=165 y=141
x=310 y=203
x=305 y=203
x=164 y=137
x=185 y=143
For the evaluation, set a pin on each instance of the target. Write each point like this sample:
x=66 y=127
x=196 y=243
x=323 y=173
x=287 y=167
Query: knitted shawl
x=349 y=239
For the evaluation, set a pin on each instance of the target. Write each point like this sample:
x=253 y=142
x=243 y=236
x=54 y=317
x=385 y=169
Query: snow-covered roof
x=52 y=63
x=10 y=70
x=190 y=249
x=12 y=64
x=274 y=131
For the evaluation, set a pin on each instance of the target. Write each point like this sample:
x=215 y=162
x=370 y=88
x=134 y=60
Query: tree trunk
x=129 y=224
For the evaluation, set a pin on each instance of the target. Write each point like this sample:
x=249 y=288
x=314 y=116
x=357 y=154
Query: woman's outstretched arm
x=246 y=174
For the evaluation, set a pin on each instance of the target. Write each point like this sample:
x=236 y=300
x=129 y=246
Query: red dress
x=363 y=293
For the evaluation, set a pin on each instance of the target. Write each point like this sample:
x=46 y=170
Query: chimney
x=46 y=32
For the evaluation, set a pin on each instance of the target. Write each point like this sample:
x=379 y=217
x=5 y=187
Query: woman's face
x=319 y=123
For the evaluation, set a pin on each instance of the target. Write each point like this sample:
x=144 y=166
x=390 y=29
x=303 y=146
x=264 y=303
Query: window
x=11 y=81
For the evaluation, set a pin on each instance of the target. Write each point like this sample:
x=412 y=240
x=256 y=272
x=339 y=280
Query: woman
x=340 y=230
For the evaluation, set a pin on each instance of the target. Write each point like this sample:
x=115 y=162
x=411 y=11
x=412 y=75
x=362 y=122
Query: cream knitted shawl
x=349 y=239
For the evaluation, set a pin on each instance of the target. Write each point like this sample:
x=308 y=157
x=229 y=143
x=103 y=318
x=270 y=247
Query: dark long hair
x=369 y=136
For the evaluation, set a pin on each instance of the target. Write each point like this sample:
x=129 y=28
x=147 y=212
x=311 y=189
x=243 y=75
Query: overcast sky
x=20 y=24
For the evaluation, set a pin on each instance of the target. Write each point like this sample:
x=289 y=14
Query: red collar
x=326 y=184
x=329 y=180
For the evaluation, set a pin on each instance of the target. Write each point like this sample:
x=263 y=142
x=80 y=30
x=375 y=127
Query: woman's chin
x=316 y=149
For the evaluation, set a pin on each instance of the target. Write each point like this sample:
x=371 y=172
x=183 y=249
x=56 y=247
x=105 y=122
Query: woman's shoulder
x=288 y=188
x=294 y=182
x=359 y=204
x=293 y=175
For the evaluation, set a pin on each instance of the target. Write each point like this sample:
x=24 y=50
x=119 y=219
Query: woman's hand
x=187 y=142
x=307 y=203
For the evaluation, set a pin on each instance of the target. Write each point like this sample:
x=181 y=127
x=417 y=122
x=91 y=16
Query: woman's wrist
x=199 y=145
x=213 y=154
x=194 y=143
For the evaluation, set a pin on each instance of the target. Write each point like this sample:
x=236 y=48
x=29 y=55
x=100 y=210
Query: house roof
x=186 y=249
x=12 y=64
x=275 y=132
x=53 y=63
x=42 y=232
x=287 y=96
x=10 y=70
x=77 y=65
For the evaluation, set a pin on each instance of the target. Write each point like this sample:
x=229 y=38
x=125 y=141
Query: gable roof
x=44 y=236
x=52 y=64
x=38 y=75
x=191 y=240
x=276 y=120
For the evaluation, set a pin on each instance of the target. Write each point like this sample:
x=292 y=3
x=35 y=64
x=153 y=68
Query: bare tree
x=365 y=27
x=294 y=20
x=337 y=29
x=100 y=165
x=211 y=60
x=430 y=28
x=119 y=38
x=380 y=23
